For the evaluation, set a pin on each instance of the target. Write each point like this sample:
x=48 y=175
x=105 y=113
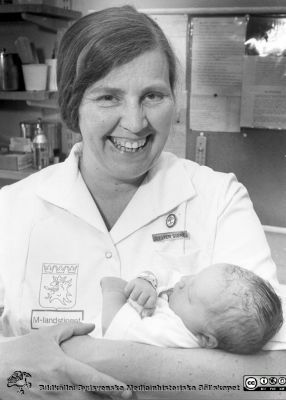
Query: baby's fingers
x=147 y=312
x=135 y=294
x=128 y=288
x=143 y=299
x=151 y=302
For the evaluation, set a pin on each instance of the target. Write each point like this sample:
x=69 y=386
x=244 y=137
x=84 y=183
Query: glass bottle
x=40 y=148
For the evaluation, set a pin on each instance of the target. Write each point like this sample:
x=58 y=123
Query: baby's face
x=195 y=295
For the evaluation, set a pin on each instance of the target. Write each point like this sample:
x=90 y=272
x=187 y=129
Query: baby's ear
x=207 y=341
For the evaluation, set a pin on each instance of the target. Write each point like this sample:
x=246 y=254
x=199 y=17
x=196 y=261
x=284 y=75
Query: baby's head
x=228 y=307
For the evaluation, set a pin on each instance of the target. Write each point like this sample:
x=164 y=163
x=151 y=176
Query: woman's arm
x=39 y=355
x=113 y=298
x=138 y=364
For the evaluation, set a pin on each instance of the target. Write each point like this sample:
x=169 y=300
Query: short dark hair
x=253 y=315
x=99 y=42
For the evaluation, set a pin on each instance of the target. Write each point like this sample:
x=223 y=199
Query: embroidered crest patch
x=58 y=285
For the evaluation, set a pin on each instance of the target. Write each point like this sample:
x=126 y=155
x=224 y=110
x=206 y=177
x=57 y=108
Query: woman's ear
x=207 y=341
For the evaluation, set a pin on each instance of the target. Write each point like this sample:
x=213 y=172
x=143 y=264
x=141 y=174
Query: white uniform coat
x=55 y=247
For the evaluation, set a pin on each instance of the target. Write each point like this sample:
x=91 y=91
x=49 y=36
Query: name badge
x=41 y=318
x=159 y=237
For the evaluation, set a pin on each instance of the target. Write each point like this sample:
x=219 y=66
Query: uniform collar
x=66 y=189
x=166 y=186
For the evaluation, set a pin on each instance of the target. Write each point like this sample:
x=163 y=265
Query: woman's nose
x=133 y=118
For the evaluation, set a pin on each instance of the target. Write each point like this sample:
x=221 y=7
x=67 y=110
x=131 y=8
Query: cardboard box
x=20 y=145
x=16 y=162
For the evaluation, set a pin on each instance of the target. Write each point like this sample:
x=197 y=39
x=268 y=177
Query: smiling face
x=194 y=296
x=125 y=119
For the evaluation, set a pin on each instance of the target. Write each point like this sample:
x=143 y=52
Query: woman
x=117 y=206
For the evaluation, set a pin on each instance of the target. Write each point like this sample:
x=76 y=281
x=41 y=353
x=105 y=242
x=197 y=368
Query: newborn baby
x=224 y=306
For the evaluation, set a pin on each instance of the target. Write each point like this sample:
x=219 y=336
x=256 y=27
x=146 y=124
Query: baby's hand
x=143 y=293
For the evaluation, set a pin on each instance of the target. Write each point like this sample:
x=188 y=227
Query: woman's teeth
x=125 y=145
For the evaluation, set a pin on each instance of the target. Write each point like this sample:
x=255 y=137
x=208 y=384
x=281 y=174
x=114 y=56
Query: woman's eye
x=153 y=98
x=107 y=100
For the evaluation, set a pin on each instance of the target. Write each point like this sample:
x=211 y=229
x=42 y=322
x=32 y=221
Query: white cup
x=52 y=74
x=35 y=76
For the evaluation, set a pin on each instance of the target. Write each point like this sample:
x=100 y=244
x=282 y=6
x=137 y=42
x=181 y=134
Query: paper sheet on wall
x=222 y=112
x=263 y=102
x=175 y=28
x=216 y=73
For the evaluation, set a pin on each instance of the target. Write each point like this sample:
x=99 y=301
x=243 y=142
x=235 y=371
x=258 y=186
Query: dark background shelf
x=13 y=11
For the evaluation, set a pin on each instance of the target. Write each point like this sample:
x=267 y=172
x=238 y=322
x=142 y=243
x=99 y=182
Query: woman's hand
x=40 y=359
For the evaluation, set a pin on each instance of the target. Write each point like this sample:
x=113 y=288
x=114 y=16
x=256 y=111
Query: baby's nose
x=182 y=283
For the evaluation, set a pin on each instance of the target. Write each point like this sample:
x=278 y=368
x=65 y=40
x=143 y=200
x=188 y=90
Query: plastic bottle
x=40 y=148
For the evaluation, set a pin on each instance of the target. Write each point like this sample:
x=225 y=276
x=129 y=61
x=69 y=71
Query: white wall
x=85 y=5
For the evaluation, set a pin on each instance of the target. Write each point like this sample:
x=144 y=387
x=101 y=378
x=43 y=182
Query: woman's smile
x=126 y=145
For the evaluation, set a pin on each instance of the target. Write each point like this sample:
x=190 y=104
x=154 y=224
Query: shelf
x=28 y=95
x=41 y=9
x=16 y=175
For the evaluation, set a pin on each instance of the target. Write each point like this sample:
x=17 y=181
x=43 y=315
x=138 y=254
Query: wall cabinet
x=47 y=17
x=43 y=25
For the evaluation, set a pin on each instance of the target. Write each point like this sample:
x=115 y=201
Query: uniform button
x=108 y=254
